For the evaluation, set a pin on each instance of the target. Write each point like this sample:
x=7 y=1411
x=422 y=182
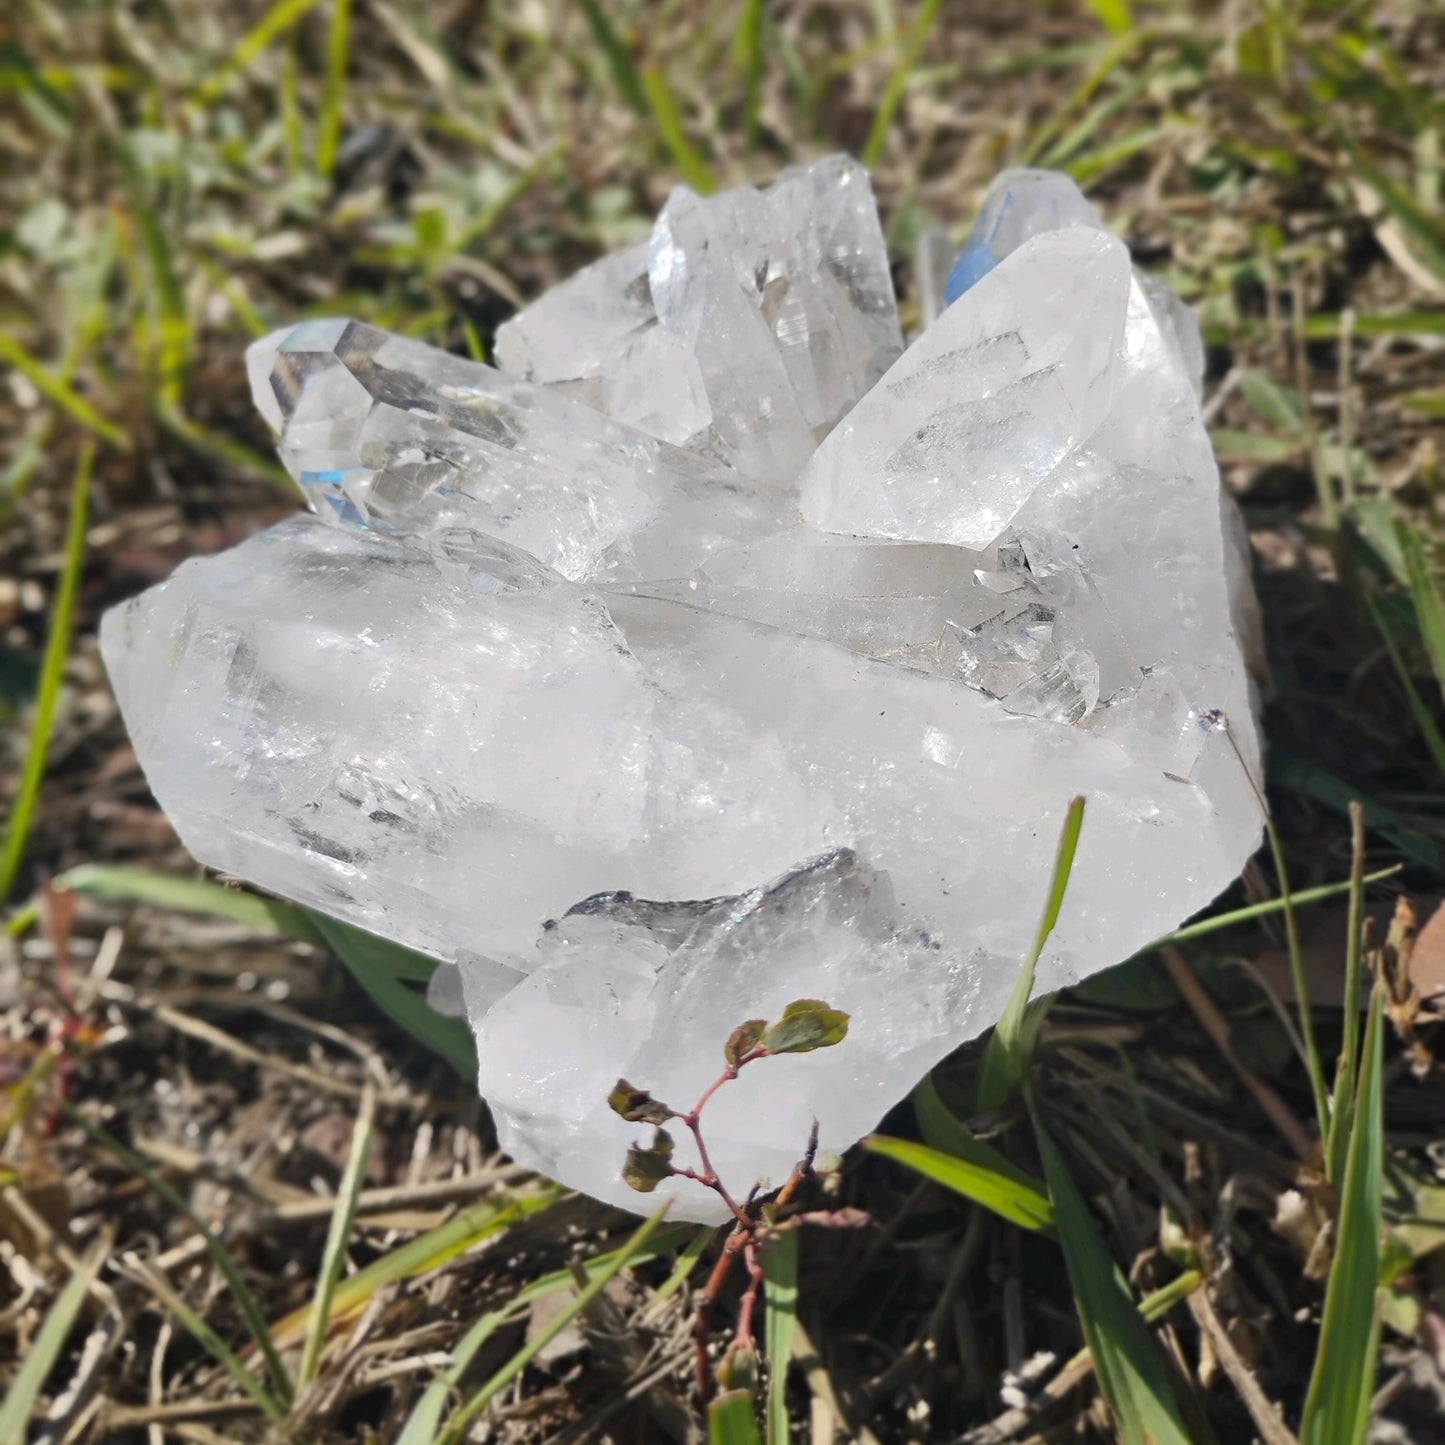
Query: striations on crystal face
x=721 y=653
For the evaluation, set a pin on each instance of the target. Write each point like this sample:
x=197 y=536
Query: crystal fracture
x=720 y=650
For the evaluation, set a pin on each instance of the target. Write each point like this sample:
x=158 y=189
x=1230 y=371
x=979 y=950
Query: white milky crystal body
x=658 y=766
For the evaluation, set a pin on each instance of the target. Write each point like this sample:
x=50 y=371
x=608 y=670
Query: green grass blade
x=731 y=1420
x=688 y=159
x=1423 y=228
x=780 y=1306
x=1289 y=769
x=52 y=674
x=687 y=1260
x=1337 y=1406
x=1127 y=1361
x=619 y=57
x=380 y=957
x=1005 y=1059
x=213 y=1343
x=1278 y=405
x=1219 y=921
x=1299 y=976
x=424 y=1421
x=19 y=1403
x=748 y=58
x=597 y=1280
x=1427 y=403
x=1424 y=718
x=338 y=56
x=1347 y=1072
x=425 y=1252
x=190 y=895
x=1425 y=593
x=241 y=1292
x=942 y=1130
x=275 y=22
x=898 y=80
x=173 y=324
x=369 y=960
x=343 y=1219
x=1008 y=1197
x=54 y=390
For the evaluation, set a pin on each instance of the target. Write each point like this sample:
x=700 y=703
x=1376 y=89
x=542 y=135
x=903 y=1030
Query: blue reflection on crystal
x=977 y=258
x=326 y=493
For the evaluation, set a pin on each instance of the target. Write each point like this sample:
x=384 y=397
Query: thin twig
x=1217 y=1027
x=1262 y=1410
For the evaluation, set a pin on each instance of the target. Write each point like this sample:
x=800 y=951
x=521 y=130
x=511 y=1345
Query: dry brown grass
x=161 y=208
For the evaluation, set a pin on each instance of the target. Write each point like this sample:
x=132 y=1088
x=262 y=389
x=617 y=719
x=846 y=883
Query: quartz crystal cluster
x=718 y=650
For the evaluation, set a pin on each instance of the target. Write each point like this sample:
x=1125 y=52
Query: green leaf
x=780 y=1303
x=646 y=1167
x=637 y=1106
x=1276 y=404
x=371 y=961
x=1337 y=1406
x=806 y=1024
x=1008 y=1197
x=730 y=1420
x=1127 y=1360
x=19 y=1403
x=1006 y=1056
x=52 y=676
x=1247 y=446
x=743 y=1040
x=738 y=1368
x=1372 y=518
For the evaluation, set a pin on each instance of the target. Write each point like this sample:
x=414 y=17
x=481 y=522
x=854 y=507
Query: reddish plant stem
x=709 y=1176
x=702 y=1328
x=744 y=1335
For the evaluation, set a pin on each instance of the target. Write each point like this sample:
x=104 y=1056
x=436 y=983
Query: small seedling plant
x=806 y=1024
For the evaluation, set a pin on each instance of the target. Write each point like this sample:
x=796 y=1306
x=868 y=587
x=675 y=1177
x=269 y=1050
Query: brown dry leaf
x=1323 y=945
x=1427 y=961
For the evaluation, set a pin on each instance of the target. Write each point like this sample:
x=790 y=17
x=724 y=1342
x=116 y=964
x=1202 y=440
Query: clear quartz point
x=745 y=328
